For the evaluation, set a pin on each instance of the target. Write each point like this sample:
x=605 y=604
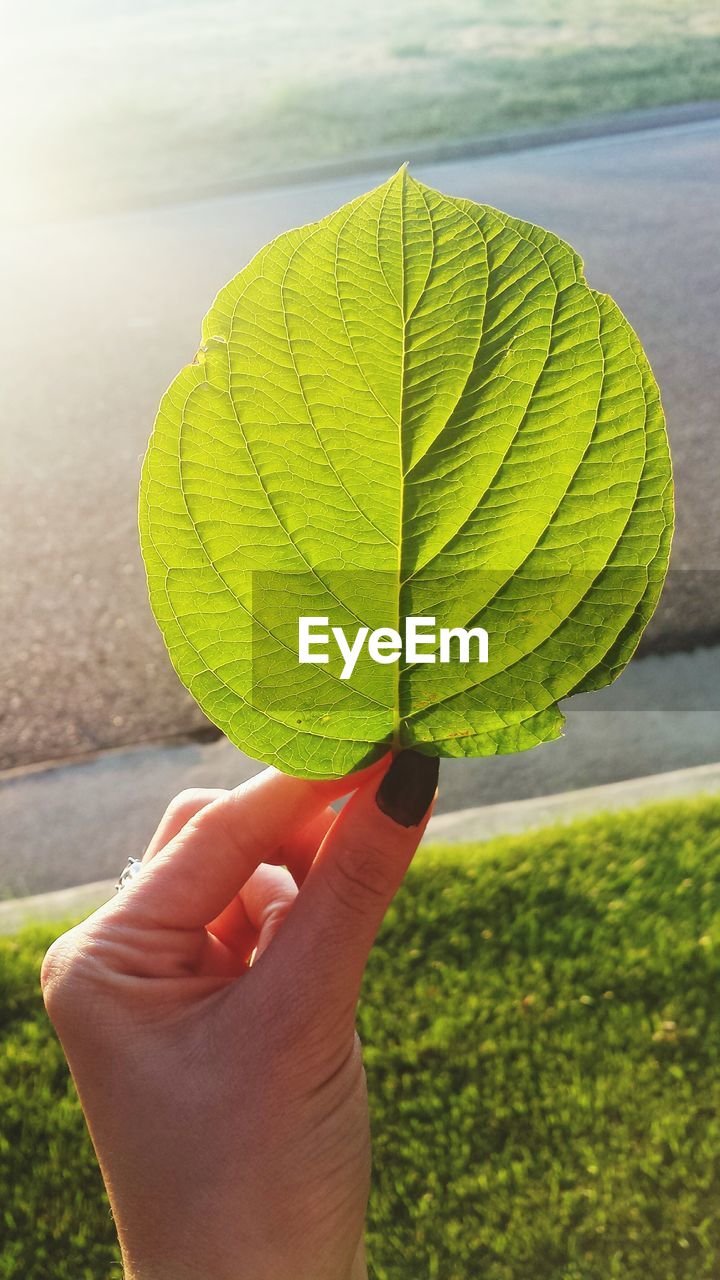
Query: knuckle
x=362 y=875
x=186 y=803
x=59 y=975
x=72 y=971
x=275 y=913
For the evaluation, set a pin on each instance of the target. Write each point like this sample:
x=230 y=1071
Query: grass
x=542 y=1040
x=135 y=103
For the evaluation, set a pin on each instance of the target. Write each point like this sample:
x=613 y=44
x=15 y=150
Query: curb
x=445 y=150
x=58 y=904
x=478 y=824
x=510 y=818
x=441 y=151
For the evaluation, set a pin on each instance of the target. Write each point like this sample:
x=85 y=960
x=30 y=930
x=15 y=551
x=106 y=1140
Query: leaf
x=415 y=407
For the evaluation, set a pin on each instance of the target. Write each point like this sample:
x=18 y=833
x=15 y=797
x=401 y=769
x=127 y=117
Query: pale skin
x=208 y=1016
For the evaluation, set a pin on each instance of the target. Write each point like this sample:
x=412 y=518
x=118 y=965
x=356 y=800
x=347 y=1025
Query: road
x=78 y=823
x=99 y=314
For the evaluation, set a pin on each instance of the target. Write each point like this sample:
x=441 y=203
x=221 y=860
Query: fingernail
x=406 y=792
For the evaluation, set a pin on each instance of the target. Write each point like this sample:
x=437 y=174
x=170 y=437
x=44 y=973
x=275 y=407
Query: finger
x=327 y=937
x=298 y=852
x=250 y=921
x=178 y=813
x=268 y=897
x=252 y=918
x=233 y=928
x=191 y=881
x=220 y=961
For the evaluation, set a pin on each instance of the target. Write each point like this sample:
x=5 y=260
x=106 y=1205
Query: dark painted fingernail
x=406 y=792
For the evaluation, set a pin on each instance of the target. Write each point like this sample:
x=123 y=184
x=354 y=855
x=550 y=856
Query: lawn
x=133 y=103
x=540 y=1019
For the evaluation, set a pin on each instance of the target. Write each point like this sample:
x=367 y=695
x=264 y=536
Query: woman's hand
x=226 y=1099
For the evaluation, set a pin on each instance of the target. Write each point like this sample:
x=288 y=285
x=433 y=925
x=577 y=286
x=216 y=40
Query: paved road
x=78 y=823
x=98 y=315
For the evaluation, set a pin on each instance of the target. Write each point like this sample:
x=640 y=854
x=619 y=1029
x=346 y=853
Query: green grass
x=135 y=102
x=542 y=1040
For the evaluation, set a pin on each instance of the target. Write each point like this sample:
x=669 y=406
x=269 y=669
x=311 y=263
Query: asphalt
x=99 y=314
x=79 y=822
x=479 y=824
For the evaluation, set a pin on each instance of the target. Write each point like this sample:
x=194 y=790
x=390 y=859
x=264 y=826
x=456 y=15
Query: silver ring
x=129 y=872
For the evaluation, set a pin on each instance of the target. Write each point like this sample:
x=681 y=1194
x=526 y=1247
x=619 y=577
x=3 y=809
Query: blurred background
x=126 y=104
x=148 y=151
x=561 y=986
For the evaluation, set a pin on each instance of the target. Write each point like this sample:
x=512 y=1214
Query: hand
x=208 y=1016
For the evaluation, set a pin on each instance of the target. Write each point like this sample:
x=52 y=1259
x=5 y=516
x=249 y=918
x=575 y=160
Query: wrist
x=359 y=1267
x=358 y=1270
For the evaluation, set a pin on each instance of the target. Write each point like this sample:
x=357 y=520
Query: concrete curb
x=480 y=823
x=487 y=821
x=445 y=150
x=59 y=904
x=79 y=821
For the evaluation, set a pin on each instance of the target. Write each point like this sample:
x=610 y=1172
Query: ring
x=133 y=868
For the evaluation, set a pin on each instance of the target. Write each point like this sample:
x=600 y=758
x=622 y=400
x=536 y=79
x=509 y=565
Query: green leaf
x=415 y=407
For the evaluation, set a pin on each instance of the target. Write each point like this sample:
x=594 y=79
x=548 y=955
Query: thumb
x=360 y=865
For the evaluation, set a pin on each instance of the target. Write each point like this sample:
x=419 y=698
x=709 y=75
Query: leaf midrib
x=396 y=736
